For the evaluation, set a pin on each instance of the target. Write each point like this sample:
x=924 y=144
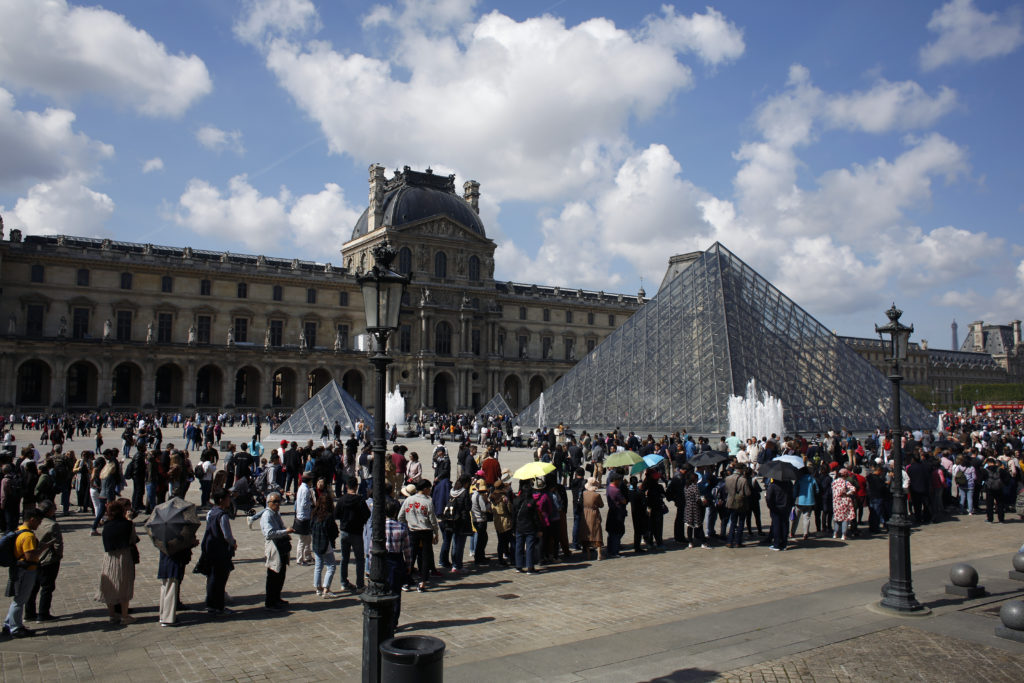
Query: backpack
x=961 y=479
x=7 y=547
x=449 y=514
x=994 y=482
x=529 y=511
x=16 y=487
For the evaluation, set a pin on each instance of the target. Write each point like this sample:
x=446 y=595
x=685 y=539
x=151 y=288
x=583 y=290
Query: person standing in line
x=303 y=520
x=480 y=506
x=170 y=572
x=27 y=551
x=117 y=572
x=51 y=537
x=352 y=514
x=591 y=532
x=219 y=546
x=779 y=499
x=325 y=533
x=277 y=547
x=418 y=514
x=737 y=502
x=397 y=555
x=501 y=506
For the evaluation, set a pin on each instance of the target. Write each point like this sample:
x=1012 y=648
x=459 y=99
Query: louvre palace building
x=87 y=323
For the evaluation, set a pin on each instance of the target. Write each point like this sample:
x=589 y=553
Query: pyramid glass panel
x=710 y=329
x=329 y=404
x=496 y=406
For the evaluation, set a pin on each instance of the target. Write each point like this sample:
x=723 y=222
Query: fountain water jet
x=753 y=416
x=394 y=410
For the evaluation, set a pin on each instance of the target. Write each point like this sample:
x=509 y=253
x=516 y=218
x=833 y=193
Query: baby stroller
x=246 y=496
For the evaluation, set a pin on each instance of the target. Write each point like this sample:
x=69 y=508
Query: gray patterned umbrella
x=172 y=526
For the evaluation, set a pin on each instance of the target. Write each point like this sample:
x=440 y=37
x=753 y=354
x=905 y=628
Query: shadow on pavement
x=446 y=623
x=687 y=675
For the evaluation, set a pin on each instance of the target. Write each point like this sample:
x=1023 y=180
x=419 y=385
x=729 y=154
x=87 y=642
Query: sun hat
x=591 y=484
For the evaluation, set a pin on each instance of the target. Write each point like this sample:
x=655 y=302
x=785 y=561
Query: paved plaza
x=741 y=615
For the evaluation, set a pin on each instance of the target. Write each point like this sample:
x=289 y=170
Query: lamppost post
x=898 y=593
x=382 y=300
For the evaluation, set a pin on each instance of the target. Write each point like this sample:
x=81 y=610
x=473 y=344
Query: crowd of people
x=468 y=499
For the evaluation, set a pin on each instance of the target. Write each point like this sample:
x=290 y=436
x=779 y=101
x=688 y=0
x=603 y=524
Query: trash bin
x=412 y=659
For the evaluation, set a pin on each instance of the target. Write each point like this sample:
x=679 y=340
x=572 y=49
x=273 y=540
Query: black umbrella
x=943 y=444
x=708 y=458
x=172 y=526
x=779 y=469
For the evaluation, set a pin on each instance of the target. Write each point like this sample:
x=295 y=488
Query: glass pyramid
x=497 y=406
x=714 y=325
x=329 y=404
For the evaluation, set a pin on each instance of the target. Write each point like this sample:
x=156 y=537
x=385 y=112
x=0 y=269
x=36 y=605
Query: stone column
x=104 y=378
x=188 y=383
x=426 y=394
x=227 y=392
x=266 y=385
x=148 y=382
x=8 y=379
x=424 y=336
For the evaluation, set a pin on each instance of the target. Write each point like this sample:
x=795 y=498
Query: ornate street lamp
x=898 y=593
x=382 y=299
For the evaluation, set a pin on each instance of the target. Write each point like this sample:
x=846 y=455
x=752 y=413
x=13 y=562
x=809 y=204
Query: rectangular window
x=164 y=327
x=522 y=312
x=311 y=296
x=276 y=332
x=405 y=338
x=546 y=344
x=343 y=299
x=342 y=337
x=126 y=280
x=166 y=284
x=523 y=345
x=83 y=277
x=34 y=320
x=241 y=330
x=611 y=320
x=36 y=273
x=568 y=316
x=243 y=291
x=204 y=288
x=309 y=329
x=590 y=318
x=80 y=323
x=590 y=345
x=475 y=342
x=124 y=326
x=570 y=349
x=278 y=292
x=204 y=325
x=547 y=315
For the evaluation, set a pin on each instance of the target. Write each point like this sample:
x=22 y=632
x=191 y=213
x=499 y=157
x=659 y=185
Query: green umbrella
x=623 y=459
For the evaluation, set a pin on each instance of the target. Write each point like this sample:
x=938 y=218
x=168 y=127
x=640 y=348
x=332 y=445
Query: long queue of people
x=433 y=518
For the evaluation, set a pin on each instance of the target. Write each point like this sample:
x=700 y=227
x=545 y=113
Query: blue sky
x=854 y=153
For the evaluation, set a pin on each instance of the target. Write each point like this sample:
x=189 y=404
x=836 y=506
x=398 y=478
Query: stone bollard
x=1017 y=573
x=1012 y=616
x=964 y=581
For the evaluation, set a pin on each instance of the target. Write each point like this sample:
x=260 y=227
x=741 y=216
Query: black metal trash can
x=412 y=659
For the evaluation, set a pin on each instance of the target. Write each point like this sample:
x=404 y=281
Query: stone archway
x=126 y=385
x=443 y=387
x=209 y=386
x=536 y=387
x=247 y=386
x=81 y=384
x=33 y=383
x=283 y=392
x=168 y=386
x=352 y=382
x=511 y=392
x=316 y=380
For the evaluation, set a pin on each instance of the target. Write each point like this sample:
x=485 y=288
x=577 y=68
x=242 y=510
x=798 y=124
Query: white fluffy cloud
x=536 y=107
x=43 y=146
x=262 y=20
x=62 y=206
x=154 y=164
x=969 y=35
x=218 y=140
x=65 y=51
x=242 y=213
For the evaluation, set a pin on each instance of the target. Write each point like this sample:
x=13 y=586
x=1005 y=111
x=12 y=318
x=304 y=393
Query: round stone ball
x=1018 y=562
x=1012 y=614
x=963 y=575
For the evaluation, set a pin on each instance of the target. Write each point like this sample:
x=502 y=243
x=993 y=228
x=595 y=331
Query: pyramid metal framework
x=329 y=404
x=496 y=406
x=715 y=324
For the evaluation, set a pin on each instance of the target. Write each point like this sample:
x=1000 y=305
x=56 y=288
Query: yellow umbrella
x=532 y=470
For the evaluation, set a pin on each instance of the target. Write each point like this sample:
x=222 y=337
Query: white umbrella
x=793 y=459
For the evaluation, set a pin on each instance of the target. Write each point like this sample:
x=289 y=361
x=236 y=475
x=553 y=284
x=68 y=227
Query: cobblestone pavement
x=481 y=615
x=902 y=653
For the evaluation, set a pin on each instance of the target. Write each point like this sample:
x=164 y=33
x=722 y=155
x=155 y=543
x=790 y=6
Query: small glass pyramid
x=329 y=404
x=714 y=325
x=497 y=406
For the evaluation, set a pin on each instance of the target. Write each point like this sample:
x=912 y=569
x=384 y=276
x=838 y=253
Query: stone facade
x=90 y=322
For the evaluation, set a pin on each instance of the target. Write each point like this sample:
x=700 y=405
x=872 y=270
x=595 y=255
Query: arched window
x=404 y=261
x=443 y=339
x=440 y=264
x=474 y=268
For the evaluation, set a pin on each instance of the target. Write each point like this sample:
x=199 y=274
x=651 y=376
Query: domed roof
x=412 y=196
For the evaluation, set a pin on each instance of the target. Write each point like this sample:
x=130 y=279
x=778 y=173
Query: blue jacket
x=806 y=491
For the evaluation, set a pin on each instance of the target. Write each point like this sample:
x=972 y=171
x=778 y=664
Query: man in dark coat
x=779 y=499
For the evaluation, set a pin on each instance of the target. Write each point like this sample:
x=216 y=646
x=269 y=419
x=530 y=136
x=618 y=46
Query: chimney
x=956 y=338
x=977 y=337
x=15 y=235
x=471 y=193
x=1016 y=332
x=375 y=215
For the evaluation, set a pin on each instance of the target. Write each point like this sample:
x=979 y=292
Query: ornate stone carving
x=61 y=240
x=423 y=258
x=231 y=337
x=12 y=324
x=62 y=331
x=302 y=340
x=460 y=262
x=149 y=332
x=225 y=257
x=186 y=252
x=192 y=335
x=266 y=339
x=295 y=264
x=107 y=329
x=261 y=260
x=147 y=249
x=105 y=245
